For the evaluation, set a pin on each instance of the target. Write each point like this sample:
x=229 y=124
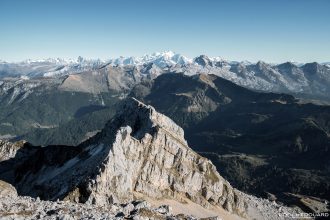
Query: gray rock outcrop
x=8 y=150
x=7 y=190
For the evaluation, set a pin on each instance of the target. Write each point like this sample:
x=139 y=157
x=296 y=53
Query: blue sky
x=273 y=31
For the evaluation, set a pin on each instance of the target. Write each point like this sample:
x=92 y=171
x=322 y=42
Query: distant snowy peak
x=205 y=61
x=327 y=64
x=52 y=67
x=162 y=60
x=54 y=61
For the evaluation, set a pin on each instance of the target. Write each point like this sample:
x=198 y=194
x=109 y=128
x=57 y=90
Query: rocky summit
x=139 y=155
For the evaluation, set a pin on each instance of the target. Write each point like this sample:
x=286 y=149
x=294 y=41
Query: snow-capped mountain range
x=57 y=66
x=311 y=80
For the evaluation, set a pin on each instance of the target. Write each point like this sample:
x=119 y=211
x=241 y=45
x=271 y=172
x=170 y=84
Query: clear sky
x=270 y=30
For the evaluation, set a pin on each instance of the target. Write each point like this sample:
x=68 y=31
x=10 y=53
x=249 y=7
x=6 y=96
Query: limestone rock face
x=7 y=190
x=8 y=150
x=152 y=152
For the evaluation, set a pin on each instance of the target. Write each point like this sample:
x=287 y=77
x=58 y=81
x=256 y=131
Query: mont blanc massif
x=164 y=136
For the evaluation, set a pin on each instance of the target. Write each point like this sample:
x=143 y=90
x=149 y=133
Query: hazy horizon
x=278 y=31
